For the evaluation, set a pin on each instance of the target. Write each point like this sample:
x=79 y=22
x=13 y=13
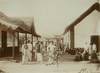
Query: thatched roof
x=6 y=26
x=95 y=6
x=16 y=24
x=22 y=27
x=27 y=23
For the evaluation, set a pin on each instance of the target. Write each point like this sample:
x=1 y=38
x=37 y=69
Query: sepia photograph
x=49 y=36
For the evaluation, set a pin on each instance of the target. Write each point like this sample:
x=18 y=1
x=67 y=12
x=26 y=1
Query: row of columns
x=4 y=41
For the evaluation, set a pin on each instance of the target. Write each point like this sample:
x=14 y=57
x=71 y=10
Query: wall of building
x=86 y=28
x=66 y=39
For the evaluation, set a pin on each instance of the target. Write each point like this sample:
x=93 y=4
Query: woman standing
x=24 y=53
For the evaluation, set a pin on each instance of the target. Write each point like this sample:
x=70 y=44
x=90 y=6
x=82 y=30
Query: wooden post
x=4 y=39
x=26 y=37
x=19 y=45
x=32 y=41
x=13 y=49
x=33 y=53
x=18 y=39
x=4 y=43
x=72 y=38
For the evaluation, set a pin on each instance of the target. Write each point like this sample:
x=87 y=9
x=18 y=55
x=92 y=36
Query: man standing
x=24 y=51
x=39 y=54
x=29 y=51
x=51 y=49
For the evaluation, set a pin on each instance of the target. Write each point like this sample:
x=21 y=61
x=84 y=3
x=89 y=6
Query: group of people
x=39 y=51
x=88 y=54
x=26 y=51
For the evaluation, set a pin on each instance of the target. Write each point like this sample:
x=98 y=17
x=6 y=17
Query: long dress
x=24 y=54
x=29 y=51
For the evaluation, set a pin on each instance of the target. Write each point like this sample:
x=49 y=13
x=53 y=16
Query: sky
x=51 y=17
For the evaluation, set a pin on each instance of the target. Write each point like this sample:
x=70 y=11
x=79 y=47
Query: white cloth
x=94 y=47
x=39 y=57
x=86 y=47
x=29 y=46
x=34 y=43
x=51 y=50
x=24 y=54
x=29 y=51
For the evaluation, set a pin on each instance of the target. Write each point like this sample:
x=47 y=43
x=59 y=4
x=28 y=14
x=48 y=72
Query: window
x=10 y=39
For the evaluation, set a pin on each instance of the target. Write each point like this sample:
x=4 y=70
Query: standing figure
x=85 y=53
x=29 y=51
x=24 y=51
x=50 y=51
x=94 y=57
x=39 y=54
x=94 y=48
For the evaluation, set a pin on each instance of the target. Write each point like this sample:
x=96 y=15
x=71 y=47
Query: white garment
x=94 y=47
x=24 y=54
x=51 y=50
x=99 y=55
x=86 y=47
x=39 y=57
x=29 y=46
x=29 y=51
x=34 y=43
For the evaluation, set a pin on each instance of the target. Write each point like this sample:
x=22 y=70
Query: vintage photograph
x=49 y=36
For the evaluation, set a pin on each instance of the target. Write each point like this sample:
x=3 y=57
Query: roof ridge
x=95 y=6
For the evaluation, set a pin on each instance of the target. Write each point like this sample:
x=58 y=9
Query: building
x=79 y=33
x=10 y=30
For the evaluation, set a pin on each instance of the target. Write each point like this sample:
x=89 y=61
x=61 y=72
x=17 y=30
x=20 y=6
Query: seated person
x=86 y=56
x=78 y=56
x=94 y=58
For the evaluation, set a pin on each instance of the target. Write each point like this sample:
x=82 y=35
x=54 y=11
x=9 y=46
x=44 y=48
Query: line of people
x=39 y=52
